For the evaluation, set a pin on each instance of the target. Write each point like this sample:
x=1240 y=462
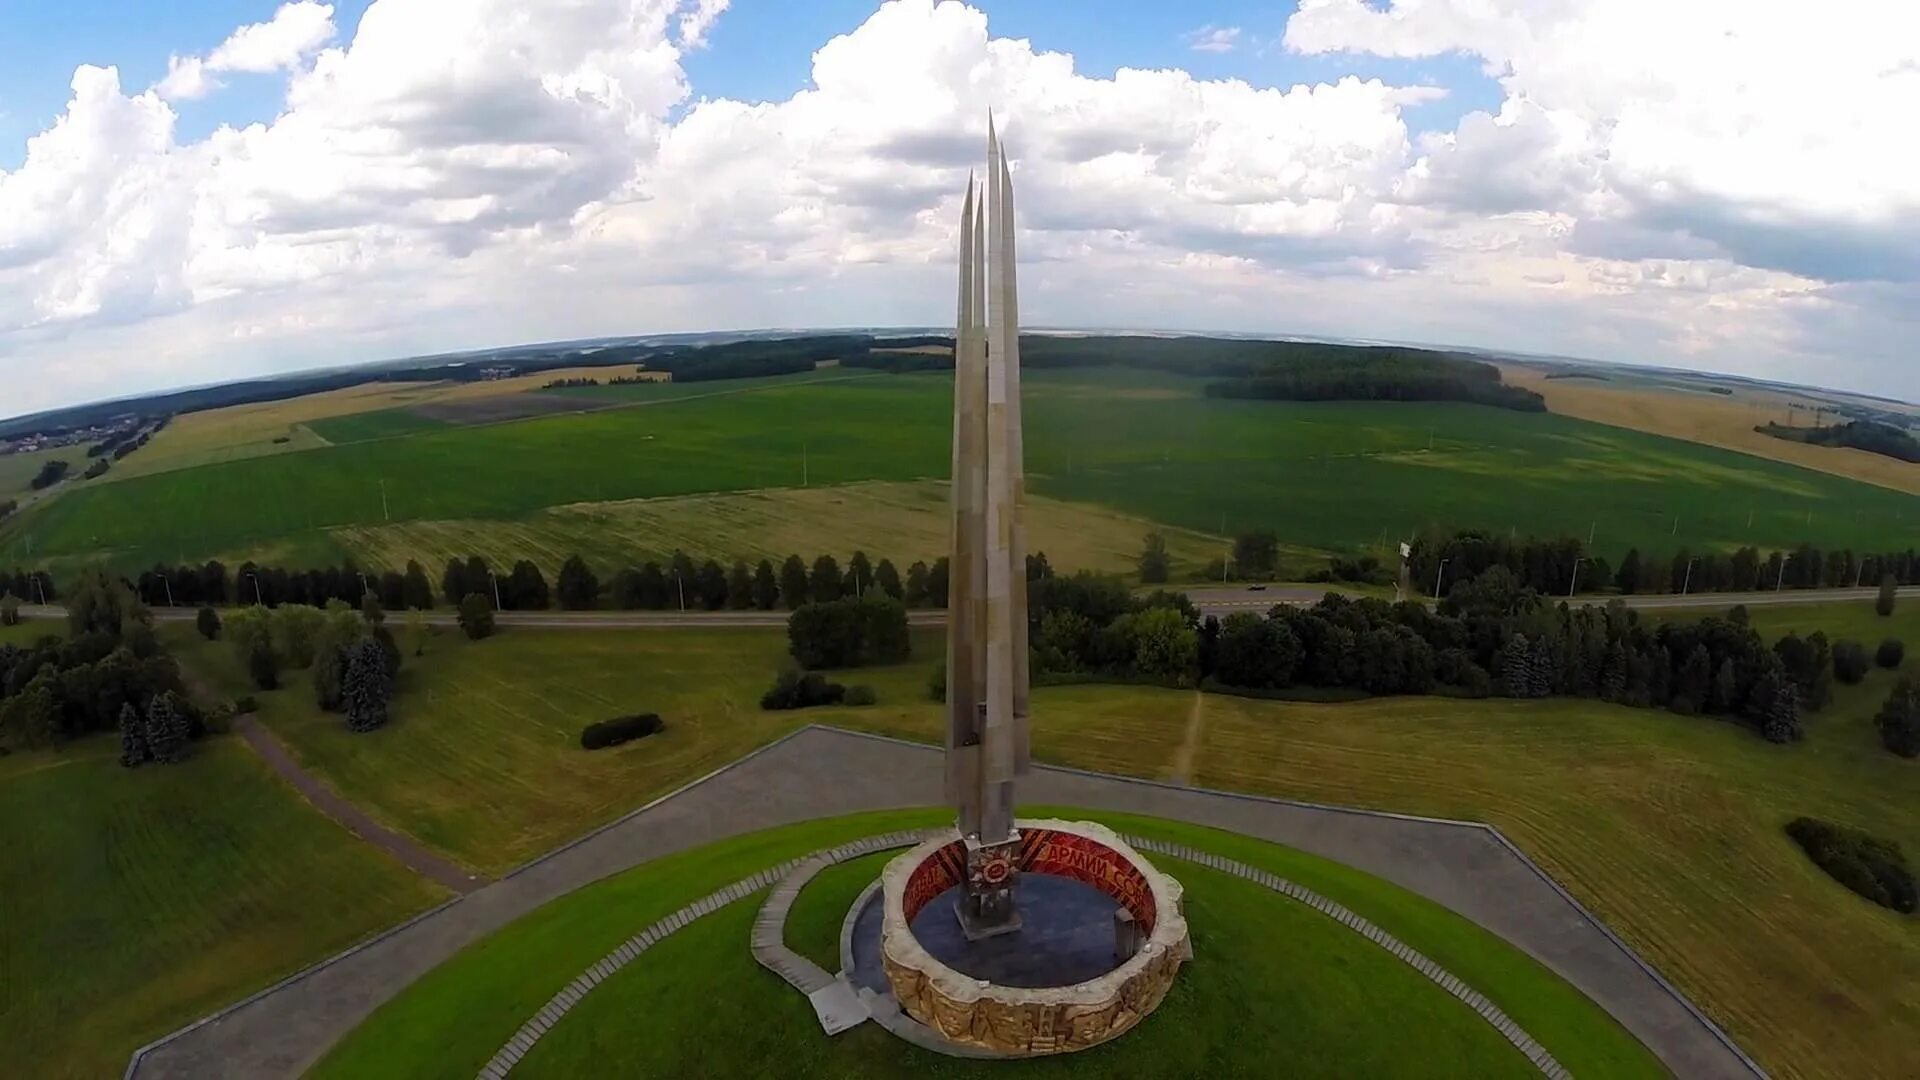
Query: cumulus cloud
x=1213 y=39
x=295 y=32
x=466 y=172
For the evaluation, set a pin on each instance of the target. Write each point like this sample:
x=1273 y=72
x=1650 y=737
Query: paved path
x=331 y=803
x=819 y=772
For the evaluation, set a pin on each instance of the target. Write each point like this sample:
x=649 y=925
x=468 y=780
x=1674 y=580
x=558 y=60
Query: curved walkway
x=409 y=851
x=821 y=772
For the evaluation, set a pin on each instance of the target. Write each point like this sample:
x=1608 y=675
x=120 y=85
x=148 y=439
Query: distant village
x=114 y=430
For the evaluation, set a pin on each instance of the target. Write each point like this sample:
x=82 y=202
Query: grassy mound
x=696 y=1005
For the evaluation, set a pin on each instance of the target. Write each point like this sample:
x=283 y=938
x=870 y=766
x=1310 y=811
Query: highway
x=1221 y=602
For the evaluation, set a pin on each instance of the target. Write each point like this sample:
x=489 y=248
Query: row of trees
x=1868 y=435
x=1550 y=566
x=52 y=471
x=55 y=690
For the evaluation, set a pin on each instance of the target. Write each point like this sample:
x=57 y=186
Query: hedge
x=621 y=729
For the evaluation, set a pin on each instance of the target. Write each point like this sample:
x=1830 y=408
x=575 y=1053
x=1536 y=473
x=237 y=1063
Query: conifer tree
x=795 y=590
x=1899 y=720
x=367 y=686
x=766 y=587
x=166 y=730
x=1613 y=674
x=740 y=586
x=1540 y=668
x=888 y=578
x=1516 y=665
x=133 y=737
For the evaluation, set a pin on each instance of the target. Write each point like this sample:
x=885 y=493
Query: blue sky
x=1720 y=186
x=760 y=50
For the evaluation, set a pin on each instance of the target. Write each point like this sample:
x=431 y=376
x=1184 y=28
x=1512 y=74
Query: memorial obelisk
x=987 y=679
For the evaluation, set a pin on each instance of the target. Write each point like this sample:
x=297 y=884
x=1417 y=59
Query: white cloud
x=467 y=172
x=296 y=31
x=1213 y=39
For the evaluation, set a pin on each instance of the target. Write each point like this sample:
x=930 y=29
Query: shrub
x=9 y=610
x=1850 y=662
x=1899 y=720
x=849 y=632
x=263 y=667
x=1872 y=867
x=792 y=690
x=476 y=616
x=207 y=621
x=1889 y=590
x=604 y=733
x=245 y=704
x=1890 y=653
x=861 y=695
x=937 y=682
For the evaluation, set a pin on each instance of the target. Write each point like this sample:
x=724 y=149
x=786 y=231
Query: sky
x=216 y=189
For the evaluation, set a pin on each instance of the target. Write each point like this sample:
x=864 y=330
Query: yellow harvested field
x=1725 y=422
x=898 y=521
x=246 y=431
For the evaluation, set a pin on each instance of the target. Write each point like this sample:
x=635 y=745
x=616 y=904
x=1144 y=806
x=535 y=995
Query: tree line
x=1439 y=561
x=1868 y=435
x=52 y=471
x=1383 y=375
x=30 y=586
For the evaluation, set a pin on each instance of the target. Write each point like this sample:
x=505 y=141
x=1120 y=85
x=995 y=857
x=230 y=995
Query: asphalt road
x=1210 y=601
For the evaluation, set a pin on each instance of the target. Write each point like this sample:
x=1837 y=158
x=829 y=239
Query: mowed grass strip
x=482 y=759
x=1323 y=475
x=902 y=521
x=1328 y=1002
x=133 y=902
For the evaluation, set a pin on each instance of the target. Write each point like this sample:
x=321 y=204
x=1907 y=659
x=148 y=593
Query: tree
x=795 y=589
x=1890 y=653
x=207 y=621
x=1899 y=720
x=888 y=579
x=862 y=573
x=103 y=605
x=1256 y=553
x=367 y=686
x=1851 y=662
x=1692 y=682
x=1154 y=562
x=415 y=591
x=527 y=588
x=653 y=590
x=1631 y=573
x=1889 y=592
x=1516 y=666
x=1774 y=705
x=849 y=632
x=1541 y=668
x=9 y=610
x=766 y=587
x=1157 y=642
x=823 y=585
x=166 y=729
x=453 y=582
x=739 y=586
x=262 y=666
x=711 y=585
x=1255 y=652
x=578 y=588
x=133 y=737
x=476 y=616
x=1724 y=695
x=937 y=584
x=917 y=584
x=480 y=579
x=370 y=609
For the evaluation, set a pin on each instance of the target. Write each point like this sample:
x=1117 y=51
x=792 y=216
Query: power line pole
x=384 y=516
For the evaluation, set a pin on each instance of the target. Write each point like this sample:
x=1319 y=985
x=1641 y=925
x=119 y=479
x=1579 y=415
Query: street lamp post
x=1573 y=585
x=257 y=598
x=496 y=589
x=1687 y=584
x=1438 y=577
x=168 y=582
x=681 y=584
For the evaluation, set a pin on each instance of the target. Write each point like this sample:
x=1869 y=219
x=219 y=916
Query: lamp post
x=681 y=584
x=496 y=589
x=168 y=582
x=257 y=598
x=1573 y=585
x=1439 y=577
x=1687 y=583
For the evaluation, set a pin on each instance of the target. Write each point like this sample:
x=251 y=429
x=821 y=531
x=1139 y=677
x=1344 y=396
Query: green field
x=132 y=903
x=1669 y=827
x=1325 y=476
x=1328 y=1002
x=367 y=426
x=18 y=470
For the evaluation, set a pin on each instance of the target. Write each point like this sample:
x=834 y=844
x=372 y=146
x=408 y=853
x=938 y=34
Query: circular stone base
x=1047 y=1011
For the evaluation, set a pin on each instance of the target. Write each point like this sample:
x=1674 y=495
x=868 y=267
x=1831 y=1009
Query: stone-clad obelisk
x=987 y=685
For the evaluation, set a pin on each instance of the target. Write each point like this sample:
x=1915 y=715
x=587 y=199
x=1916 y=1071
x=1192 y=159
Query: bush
x=792 y=690
x=1890 y=653
x=1899 y=720
x=1889 y=591
x=1872 y=867
x=263 y=667
x=207 y=621
x=9 y=610
x=937 y=682
x=1850 y=662
x=849 y=632
x=861 y=695
x=605 y=733
x=476 y=616
x=245 y=704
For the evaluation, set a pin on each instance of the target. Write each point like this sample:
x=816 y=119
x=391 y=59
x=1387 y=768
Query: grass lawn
x=364 y=427
x=133 y=902
x=482 y=760
x=1669 y=827
x=1142 y=443
x=1327 y=1000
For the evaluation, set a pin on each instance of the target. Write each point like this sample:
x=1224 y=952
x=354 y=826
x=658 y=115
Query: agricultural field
x=1334 y=1021
x=1325 y=476
x=1669 y=827
x=899 y=520
x=138 y=901
x=18 y=470
x=1711 y=419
